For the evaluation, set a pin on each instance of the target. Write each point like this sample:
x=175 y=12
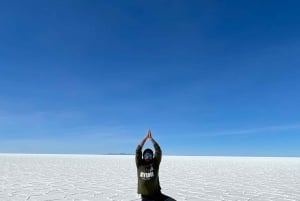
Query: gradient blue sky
x=208 y=77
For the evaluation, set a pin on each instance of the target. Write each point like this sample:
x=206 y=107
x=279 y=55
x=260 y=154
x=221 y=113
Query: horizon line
x=129 y=154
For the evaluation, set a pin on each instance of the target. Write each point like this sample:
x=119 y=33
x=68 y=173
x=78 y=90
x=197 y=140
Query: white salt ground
x=113 y=178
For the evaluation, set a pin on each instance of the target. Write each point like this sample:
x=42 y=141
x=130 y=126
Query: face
x=148 y=156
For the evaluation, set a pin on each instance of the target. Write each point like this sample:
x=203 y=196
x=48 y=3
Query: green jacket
x=148 y=179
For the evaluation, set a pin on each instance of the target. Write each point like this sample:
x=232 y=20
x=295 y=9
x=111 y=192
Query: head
x=148 y=155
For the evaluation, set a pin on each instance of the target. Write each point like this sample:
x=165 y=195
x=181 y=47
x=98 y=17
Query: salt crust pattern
x=25 y=177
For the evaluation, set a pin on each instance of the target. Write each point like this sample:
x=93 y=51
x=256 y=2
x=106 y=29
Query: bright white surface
x=103 y=178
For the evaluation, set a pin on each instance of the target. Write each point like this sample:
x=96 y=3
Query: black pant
x=157 y=197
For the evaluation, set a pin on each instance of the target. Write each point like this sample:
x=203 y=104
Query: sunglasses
x=148 y=155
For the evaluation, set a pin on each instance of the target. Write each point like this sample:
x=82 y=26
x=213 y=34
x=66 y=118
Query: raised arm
x=158 y=152
x=138 y=152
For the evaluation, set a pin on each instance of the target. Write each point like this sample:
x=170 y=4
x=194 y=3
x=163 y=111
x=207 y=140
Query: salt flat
x=103 y=178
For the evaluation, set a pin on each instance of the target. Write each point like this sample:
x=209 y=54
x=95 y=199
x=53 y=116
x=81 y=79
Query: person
x=147 y=164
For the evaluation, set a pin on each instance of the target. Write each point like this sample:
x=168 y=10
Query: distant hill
x=118 y=154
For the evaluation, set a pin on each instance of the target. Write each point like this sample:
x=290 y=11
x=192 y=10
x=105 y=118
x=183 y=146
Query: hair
x=148 y=151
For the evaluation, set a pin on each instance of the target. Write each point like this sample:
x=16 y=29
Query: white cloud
x=266 y=130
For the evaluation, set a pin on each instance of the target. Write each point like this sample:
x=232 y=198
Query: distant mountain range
x=118 y=154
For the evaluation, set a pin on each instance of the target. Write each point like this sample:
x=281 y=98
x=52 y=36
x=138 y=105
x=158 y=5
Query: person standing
x=147 y=164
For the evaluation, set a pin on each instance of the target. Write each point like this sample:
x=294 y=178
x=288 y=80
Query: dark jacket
x=148 y=179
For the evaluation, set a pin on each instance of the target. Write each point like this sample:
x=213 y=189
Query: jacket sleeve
x=138 y=156
x=158 y=152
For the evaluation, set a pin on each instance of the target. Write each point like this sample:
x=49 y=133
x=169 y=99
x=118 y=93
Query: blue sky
x=208 y=77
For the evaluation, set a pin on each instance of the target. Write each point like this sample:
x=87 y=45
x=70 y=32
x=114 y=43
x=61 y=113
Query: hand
x=149 y=134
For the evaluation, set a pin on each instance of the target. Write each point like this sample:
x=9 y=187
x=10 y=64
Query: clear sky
x=208 y=77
